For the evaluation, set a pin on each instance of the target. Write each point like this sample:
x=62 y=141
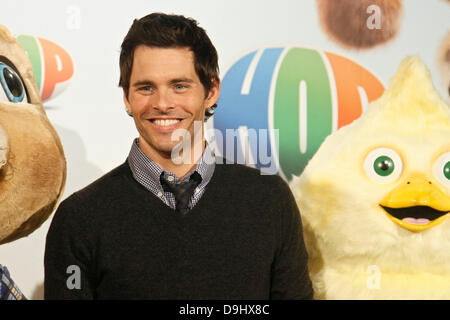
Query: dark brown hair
x=169 y=31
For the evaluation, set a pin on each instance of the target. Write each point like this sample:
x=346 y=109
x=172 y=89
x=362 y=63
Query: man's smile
x=166 y=124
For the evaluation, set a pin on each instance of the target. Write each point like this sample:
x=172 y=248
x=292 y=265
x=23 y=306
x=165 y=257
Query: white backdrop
x=89 y=115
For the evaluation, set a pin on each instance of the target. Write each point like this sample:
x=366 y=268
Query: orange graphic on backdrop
x=348 y=77
x=58 y=66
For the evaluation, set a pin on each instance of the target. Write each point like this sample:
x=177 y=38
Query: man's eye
x=147 y=88
x=180 y=86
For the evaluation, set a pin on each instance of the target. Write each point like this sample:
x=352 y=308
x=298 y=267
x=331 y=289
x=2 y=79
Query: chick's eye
x=441 y=169
x=383 y=165
x=12 y=85
x=447 y=170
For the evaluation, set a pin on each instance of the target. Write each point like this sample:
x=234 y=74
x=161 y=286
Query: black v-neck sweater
x=116 y=240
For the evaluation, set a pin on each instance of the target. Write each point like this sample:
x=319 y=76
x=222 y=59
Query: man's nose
x=163 y=101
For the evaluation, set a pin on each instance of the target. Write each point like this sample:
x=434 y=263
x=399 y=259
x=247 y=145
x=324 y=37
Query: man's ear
x=127 y=104
x=125 y=101
x=213 y=94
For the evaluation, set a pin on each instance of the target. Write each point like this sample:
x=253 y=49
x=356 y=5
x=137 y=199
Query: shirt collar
x=148 y=173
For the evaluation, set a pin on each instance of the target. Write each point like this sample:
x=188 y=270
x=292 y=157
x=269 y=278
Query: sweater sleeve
x=290 y=276
x=68 y=258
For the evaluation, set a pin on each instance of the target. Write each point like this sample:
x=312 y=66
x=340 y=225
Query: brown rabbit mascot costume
x=32 y=163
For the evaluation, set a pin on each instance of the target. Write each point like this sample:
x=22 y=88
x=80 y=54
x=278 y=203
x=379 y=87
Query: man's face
x=166 y=94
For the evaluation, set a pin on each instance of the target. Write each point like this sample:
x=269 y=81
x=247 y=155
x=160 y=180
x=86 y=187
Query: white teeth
x=165 y=122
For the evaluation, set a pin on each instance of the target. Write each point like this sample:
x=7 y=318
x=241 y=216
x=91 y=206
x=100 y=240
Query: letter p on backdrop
x=52 y=65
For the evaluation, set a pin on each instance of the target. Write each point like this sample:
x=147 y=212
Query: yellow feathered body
x=363 y=194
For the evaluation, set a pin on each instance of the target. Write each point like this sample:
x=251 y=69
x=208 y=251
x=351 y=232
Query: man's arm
x=68 y=254
x=290 y=276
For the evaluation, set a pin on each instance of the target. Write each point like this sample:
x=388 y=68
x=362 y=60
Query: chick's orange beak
x=417 y=204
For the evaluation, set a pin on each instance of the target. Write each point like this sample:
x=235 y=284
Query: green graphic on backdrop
x=304 y=94
x=301 y=65
x=34 y=55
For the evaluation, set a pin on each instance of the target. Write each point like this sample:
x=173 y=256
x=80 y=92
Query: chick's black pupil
x=384 y=165
x=13 y=82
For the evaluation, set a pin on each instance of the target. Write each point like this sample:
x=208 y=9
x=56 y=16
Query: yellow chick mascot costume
x=375 y=198
x=32 y=163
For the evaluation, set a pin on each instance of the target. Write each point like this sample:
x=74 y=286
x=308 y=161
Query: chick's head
x=378 y=190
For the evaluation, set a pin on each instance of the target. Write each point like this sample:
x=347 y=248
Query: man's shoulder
x=249 y=175
x=268 y=196
x=108 y=185
x=92 y=204
x=235 y=168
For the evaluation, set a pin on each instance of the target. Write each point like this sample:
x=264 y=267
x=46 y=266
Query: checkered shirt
x=8 y=289
x=148 y=174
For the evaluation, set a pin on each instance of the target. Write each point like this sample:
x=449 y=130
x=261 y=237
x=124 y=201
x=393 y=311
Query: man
x=156 y=228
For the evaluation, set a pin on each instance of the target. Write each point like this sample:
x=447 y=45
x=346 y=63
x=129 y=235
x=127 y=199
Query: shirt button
x=170 y=178
x=160 y=194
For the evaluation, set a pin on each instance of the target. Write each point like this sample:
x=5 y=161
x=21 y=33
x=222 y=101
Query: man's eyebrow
x=140 y=83
x=143 y=83
x=178 y=80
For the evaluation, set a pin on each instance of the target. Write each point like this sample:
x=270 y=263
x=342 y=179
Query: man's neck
x=179 y=168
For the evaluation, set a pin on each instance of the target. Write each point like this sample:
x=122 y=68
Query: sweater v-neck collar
x=159 y=208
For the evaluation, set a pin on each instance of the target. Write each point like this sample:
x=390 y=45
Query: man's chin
x=160 y=147
x=167 y=150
